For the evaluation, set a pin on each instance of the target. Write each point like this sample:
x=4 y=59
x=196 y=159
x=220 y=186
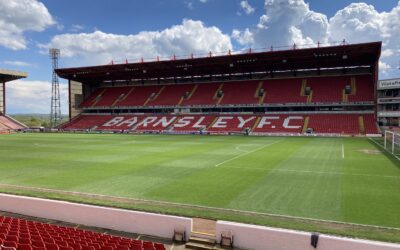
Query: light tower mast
x=55 y=114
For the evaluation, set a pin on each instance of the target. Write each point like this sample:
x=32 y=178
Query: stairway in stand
x=203 y=235
x=201 y=241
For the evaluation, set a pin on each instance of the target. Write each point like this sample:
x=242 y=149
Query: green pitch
x=337 y=179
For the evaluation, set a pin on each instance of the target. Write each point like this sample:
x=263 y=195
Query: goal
x=392 y=142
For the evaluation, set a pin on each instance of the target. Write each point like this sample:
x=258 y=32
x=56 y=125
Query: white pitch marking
x=319 y=172
x=246 y=153
x=342 y=151
x=333 y=173
x=241 y=150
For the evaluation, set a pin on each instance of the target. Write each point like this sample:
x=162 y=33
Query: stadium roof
x=11 y=75
x=353 y=55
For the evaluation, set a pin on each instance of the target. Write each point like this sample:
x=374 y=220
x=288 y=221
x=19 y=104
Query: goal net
x=392 y=142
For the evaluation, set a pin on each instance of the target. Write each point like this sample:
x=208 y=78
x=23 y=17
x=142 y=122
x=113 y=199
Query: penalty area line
x=246 y=153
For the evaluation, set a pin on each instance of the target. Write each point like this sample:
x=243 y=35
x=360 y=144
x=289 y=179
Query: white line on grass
x=318 y=172
x=333 y=173
x=241 y=150
x=342 y=151
x=246 y=153
x=384 y=148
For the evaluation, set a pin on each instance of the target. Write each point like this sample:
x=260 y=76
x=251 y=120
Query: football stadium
x=199 y=124
x=280 y=148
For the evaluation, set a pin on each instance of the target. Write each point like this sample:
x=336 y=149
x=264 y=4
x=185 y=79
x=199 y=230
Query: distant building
x=389 y=102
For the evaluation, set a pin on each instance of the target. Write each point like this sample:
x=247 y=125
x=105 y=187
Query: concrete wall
x=75 y=98
x=265 y=238
x=110 y=218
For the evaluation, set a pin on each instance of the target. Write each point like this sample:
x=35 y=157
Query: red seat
x=61 y=243
x=39 y=248
x=36 y=238
x=6 y=248
x=136 y=247
x=37 y=243
x=114 y=242
x=24 y=236
x=24 y=241
x=66 y=248
x=159 y=246
x=24 y=247
x=95 y=245
x=75 y=246
x=137 y=242
x=10 y=244
x=148 y=245
x=48 y=240
x=12 y=238
x=16 y=233
x=34 y=232
x=88 y=248
x=108 y=247
x=52 y=246
x=123 y=247
x=82 y=242
x=56 y=237
x=124 y=243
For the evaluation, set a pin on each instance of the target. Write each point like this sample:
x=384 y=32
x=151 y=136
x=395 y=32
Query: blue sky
x=95 y=32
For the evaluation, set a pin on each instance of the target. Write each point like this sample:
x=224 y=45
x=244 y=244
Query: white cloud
x=182 y=40
x=292 y=21
x=360 y=22
x=387 y=53
x=189 y=4
x=60 y=27
x=77 y=27
x=18 y=63
x=384 y=67
x=314 y=26
x=243 y=37
x=284 y=23
x=24 y=96
x=19 y=16
x=246 y=7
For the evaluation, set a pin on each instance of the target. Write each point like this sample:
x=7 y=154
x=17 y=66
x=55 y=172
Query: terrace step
x=201 y=240
x=198 y=246
x=203 y=235
x=206 y=241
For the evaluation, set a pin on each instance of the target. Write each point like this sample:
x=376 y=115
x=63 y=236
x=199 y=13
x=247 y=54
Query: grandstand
x=19 y=233
x=323 y=91
x=7 y=123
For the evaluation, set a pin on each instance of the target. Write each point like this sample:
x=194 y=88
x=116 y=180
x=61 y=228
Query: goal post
x=392 y=142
